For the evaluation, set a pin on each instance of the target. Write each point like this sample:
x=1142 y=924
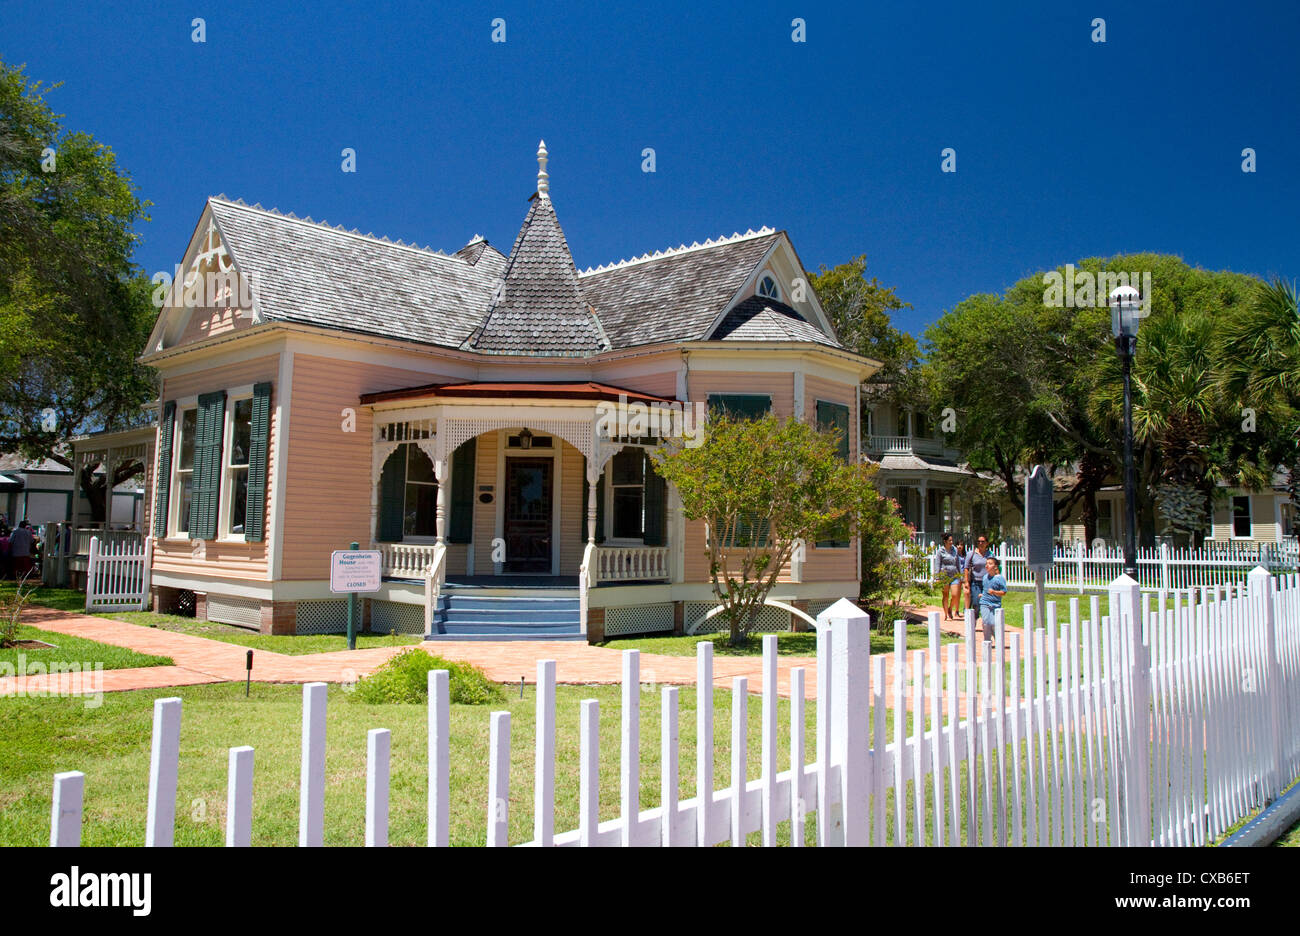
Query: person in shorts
x=995 y=586
x=950 y=576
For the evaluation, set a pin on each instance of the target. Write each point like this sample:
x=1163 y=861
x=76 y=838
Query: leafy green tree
x=1259 y=371
x=860 y=308
x=764 y=486
x=1035 y=381
x=74 y=311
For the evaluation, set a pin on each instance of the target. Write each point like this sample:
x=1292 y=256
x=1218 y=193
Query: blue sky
x=1066 y=148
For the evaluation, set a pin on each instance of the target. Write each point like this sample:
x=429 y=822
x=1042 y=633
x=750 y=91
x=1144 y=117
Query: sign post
x=353 y=571
x=1039 y=528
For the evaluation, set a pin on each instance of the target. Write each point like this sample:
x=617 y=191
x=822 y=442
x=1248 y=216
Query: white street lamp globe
x=1124 y=303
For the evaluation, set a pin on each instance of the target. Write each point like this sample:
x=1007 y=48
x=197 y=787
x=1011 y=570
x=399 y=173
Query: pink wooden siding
x=329 y=470
x=227 y=558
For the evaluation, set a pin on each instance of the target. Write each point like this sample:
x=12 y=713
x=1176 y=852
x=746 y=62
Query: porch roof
x=587 y=390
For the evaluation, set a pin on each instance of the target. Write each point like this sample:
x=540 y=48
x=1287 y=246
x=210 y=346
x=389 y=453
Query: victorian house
x=452 y=411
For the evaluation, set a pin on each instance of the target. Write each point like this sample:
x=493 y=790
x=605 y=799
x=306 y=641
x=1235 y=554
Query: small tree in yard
x=763 y=486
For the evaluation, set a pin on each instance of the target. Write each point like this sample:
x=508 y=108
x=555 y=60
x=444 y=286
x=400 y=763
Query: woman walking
x=950 y=578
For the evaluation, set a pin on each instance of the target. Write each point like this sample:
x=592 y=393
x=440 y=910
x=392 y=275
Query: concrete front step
x=507 y=616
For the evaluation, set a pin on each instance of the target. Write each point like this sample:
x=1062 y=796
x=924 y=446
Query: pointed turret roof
x=538 y=307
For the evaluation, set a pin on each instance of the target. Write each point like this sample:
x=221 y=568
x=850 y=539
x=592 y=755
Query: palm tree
x=1260 y=369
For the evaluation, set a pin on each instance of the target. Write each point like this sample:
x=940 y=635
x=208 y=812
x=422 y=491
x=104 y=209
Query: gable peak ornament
x=543 y=180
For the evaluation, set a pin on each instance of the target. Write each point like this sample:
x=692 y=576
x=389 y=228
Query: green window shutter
x=207 y=465
x=600 y=509
x=656 y=506
x=392 y=496
x=460 y=528
x=835 y=416
x=741 y=405
x=749 y=531
x=258 y=451
x=163 y=482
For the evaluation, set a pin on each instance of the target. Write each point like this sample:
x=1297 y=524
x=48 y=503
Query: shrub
x=405 y=679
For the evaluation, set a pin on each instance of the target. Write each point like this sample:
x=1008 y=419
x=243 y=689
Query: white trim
x=283 y=390
x=799 y=403
x=680 y=249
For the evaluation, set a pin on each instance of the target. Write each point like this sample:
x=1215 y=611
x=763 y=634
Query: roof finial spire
x=543 y=180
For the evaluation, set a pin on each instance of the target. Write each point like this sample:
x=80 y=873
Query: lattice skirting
x=246 y=612
x=639 y=619
x=388 y=617
x=818 y=605
x=322 y=617
x=770 y=620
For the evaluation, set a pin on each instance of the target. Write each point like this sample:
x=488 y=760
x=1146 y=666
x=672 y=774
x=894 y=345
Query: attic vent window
x=768 y=289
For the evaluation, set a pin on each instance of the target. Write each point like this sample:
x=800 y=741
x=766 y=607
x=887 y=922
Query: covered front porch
x=525 y=486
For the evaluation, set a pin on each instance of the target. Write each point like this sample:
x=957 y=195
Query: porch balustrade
x=406 y=560
x=632 y=563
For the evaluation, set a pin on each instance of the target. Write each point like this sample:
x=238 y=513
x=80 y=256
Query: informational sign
x=355 y=570
x=1039 y=520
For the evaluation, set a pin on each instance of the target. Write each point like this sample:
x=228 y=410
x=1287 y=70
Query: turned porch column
x=442 y=474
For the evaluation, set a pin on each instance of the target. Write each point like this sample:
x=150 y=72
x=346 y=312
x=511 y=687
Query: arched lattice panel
x=770 y=620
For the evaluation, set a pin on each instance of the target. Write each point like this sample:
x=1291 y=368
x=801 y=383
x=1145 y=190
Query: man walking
x=995 y=586
x=976 y=569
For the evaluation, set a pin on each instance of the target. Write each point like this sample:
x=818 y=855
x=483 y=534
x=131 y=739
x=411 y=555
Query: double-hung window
x=238 y=446
x=627 y=473
x=183 y=485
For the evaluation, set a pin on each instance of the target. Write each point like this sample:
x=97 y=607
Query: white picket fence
x=1162 y=568
x=1162 y=723
x=117 y=575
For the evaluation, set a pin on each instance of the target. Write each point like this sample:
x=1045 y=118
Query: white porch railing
x=406 y=560
x=904 y=445
x=631 y=563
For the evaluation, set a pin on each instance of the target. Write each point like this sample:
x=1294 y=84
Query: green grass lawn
x=111 y=745
x=787 y=643
x=69 y=649
x=67 y=599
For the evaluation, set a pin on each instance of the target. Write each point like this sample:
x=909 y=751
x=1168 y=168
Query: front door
x=528 y=515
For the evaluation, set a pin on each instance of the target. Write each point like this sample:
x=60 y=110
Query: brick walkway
x=199 y=661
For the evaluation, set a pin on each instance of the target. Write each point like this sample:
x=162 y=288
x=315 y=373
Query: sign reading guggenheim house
x=355 y=570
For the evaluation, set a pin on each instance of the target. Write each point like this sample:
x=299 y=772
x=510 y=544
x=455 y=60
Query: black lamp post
x=1124 y=326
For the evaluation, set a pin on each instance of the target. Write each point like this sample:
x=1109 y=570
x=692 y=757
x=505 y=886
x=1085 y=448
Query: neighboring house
x=447 y=408
x=935 y=490
x=42 y=492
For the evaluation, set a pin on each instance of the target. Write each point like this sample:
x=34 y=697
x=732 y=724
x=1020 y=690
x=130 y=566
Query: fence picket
x=589 y=771
x=544 y=757
x=498 y=806
x=797 y=758
x=704 y=742
x=768 y=753
x=629 y=772
x=379 y=747
x=669 y=774
x=439 y=758
x=164 y=765
x=239 y=798
x=739 y=741
x=65 y=809
x=311 y=779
